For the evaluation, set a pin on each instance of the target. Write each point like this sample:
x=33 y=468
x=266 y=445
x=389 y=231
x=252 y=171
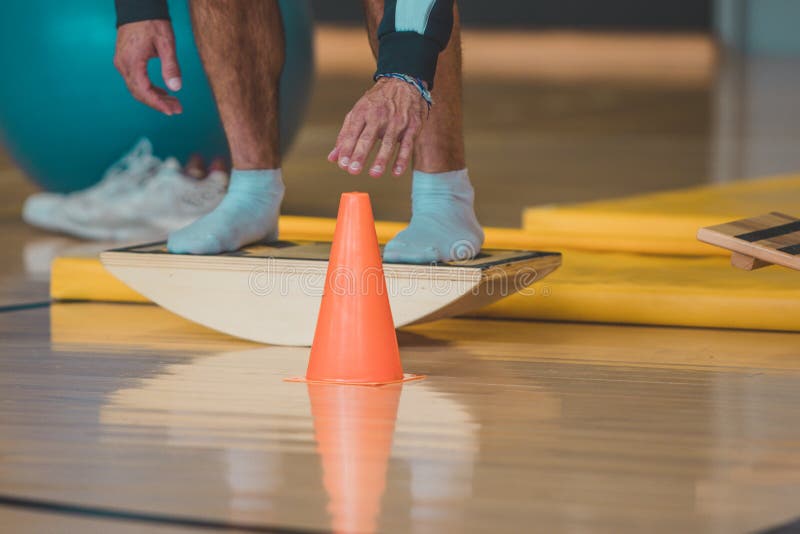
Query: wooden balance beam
x=271 y=292
x=757 y=242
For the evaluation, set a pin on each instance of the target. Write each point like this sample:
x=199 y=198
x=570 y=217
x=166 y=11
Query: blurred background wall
x=596 y=14
x=758 y=26
x=756 y=115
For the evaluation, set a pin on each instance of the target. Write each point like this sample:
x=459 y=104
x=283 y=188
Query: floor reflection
x=564 y=426
x=263 y=431
x=354 y=428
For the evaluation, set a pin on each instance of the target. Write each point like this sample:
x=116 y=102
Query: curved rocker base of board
x=271 y=292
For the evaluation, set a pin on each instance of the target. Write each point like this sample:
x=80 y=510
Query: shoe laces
x=138 y=165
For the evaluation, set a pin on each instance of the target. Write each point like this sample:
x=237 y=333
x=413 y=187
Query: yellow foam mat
x=85 y=278
x=662 y=223
x=599 y=287
x=660 y=290
x=321 y=229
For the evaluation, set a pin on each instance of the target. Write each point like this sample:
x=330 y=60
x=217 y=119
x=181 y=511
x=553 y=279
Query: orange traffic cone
x=354 y=427
x=355 y=341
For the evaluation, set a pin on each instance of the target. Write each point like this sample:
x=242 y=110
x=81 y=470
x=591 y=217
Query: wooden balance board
x=271 y=292
x=756 y=242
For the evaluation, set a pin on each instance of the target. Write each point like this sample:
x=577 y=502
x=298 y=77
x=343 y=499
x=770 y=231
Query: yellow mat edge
x=602 y=225
x=658 y=309
x=68 y=276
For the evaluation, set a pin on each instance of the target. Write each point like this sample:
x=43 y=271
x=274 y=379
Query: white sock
x=443 y=225
x=248 y=213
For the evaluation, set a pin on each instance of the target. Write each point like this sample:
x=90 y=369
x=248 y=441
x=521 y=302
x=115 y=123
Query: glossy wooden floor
x=125 y=418
x=520 y=426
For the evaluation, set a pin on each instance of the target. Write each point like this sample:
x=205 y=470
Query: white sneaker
x=158 y=203
x=126 y=175
x=171 y=200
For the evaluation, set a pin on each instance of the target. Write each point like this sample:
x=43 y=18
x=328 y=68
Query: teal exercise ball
x=66 y=115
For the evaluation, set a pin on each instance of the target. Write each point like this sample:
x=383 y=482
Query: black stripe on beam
x=771 y=232
x=118 y=514
x=794 y=250
x=788 y=528
x=26 y=306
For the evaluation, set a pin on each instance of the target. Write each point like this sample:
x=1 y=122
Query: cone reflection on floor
x=354 y=427
x=355 y=341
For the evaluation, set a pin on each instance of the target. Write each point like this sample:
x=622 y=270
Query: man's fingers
x=172 y=104
x=363 y=147
x=196 y=166
x=385 y=152
x=144 y=91
x=154 y=98
x=405 y=152
x=348 y=137
x=137 y=43
x=218 y=164
x=334 y=155
x=172 y=101
x=170 y=70
x=389 y=111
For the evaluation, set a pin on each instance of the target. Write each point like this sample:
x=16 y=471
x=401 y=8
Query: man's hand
x=392 y=111
x=137 y=43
